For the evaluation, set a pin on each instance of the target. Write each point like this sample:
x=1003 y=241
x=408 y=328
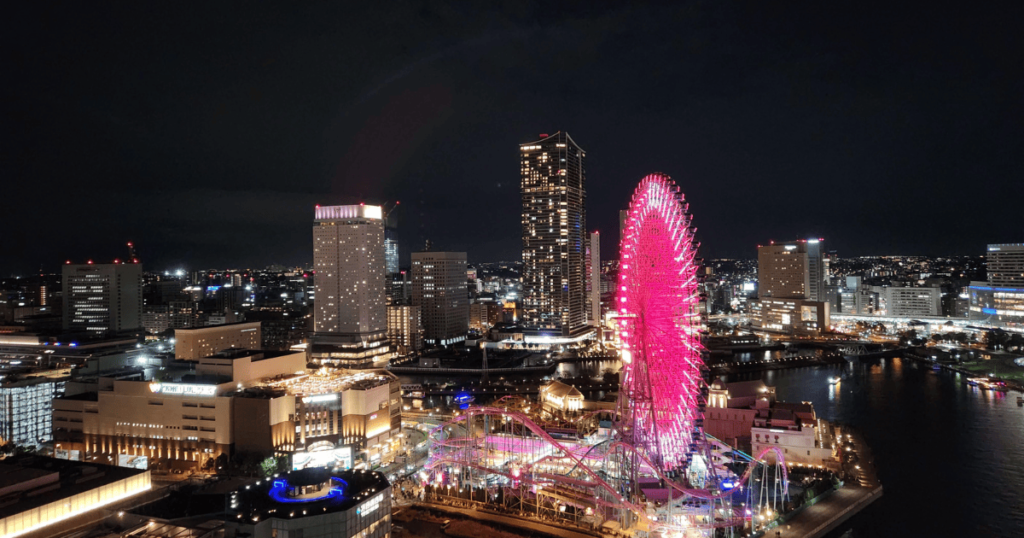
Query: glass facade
x=554 y=234
x=997 y=305
x=26 y=411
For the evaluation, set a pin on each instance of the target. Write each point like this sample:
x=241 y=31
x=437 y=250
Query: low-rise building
x=237 y=400
x=40 y=492
x=312 y=503
x=790 y=315
x=558 y=398
x=747 y=412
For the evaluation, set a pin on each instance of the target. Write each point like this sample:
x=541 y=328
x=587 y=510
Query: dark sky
x=206 y=134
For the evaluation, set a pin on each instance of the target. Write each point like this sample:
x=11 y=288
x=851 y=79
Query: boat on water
x=834 y=379
x=976 y=381
x=936 y=367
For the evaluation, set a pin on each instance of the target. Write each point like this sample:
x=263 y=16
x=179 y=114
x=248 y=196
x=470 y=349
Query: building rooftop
x=559 y=389
x=74 y=477
x=215 y=327
x=745 y=389
x=327 y=380
x=341 y=491
x=254 y=354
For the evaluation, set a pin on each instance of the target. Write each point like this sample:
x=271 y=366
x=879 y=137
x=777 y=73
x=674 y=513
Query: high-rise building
x=791 y=279
x=405 y=328
x=912 y=302
x=554 y=221
x=390 y=245
x=791 y=270
x=103 y=299
x=350 y=310
x=1005 y=264
x=594 y=279
x=439 y=289
x=1001 y=299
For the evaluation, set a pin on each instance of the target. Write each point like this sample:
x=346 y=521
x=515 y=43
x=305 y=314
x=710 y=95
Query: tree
x=996 y=339
x=221 y=465
x=268 y=467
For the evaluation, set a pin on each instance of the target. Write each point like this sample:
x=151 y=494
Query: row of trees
x=247 y=464
x=993 y=340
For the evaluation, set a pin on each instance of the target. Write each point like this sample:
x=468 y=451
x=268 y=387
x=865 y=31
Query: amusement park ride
x=654 y=471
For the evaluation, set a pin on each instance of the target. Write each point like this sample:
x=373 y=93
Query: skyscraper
x=1005 y=264
x=102 y=299
x=350 y=310
x=791 y=288
x=594 y=280
x=791 y=270
x=439 y=289
x=554 y=224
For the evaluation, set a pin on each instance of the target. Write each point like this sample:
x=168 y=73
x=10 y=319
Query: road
x=512 y=521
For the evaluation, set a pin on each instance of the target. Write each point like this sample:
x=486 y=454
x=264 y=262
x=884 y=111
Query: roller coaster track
x=460 y=444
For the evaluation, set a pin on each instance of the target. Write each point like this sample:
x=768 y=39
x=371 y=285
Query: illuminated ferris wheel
x=660 y=404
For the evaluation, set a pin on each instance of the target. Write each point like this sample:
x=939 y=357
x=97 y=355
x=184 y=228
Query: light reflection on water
x=951 y=456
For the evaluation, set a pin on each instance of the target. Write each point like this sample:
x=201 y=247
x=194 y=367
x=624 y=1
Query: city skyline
x=212 y=155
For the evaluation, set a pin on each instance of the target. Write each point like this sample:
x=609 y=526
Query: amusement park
x=644 y=465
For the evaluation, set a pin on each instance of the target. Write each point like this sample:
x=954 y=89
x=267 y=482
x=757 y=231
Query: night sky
x=206 y=134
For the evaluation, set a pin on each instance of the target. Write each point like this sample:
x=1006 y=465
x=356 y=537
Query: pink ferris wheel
x=661 y=404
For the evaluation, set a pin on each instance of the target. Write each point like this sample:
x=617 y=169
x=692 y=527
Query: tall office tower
x=791 y=270
x=594 y=280
x=350 y=310
x=103 y=299
x=1005 y=264
x=439 y=289
x=554 y=225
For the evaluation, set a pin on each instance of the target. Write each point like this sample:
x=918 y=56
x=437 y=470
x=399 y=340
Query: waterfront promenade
x=824 y=516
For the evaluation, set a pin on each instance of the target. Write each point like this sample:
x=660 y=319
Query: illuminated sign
x=184 y=389
x=340 y=458
x=371 y=505
x=320 y=398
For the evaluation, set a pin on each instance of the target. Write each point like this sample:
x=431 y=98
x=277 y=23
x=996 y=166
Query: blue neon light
x=463 y=397
x=989 y=310
x=986 y=288
x=277 y=492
